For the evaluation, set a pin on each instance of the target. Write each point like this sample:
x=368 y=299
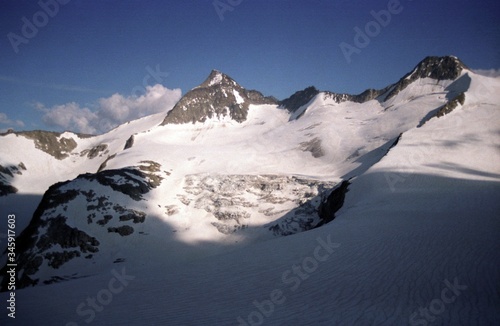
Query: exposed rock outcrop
x=333 y=203
x=218 y=96
x=51 y=142
x=6 y=175
x=439 y=68
x=52 y=239
x=299 y=99
x=99 y=150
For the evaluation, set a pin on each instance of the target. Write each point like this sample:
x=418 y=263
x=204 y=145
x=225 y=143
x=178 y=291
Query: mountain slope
x=420 y=221
x=210 y=211
x=311 y=149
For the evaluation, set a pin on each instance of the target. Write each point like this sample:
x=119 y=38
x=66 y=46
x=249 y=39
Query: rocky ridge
x=438 y=68
x=288 y=203
x=53 y=237
x=219 y=96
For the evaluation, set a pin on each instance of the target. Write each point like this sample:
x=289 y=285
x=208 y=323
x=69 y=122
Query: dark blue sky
x=90 y=50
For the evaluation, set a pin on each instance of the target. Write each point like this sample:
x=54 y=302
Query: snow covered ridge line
x=436 y=307
x=411 y=161
x=293 y=277
x=91 y=306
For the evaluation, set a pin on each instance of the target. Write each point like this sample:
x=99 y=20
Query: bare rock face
x=48 y=229
x=99 y=150
x=123 y=230
x=51 y=142
x=451 y=105
x=8 y=173
x=299 y=99
x=332 y=203
x=439 y=68
x=218 y=96
x=129 y=143
x=73 y=220
x=313 y=146
x=444 y=109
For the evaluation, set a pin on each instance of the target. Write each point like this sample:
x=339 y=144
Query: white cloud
x=4 y=120
x=71 y=117
x=110 y=112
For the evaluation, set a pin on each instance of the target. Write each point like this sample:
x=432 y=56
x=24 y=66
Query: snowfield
x=414 y=243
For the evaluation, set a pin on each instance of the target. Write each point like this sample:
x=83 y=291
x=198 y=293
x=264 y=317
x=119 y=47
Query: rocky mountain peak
x=439 y=68
x=217 y=78
x=300 y=98
x=219 y=96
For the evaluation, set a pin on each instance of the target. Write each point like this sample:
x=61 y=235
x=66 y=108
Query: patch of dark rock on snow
x=151 y=168
x=129 y=143
x=299 y=99
x=95 y=151
x=332 y=203
x=11 y=170
x=57 y=197
x=58 y=232
x=49 y=143
x=7 y=189
x=123 y=230
x=394 y=143
x=105 y=220
x=7 y=173
x=313 y=146
x=103 y=164
x=128 y=181
x=444 y=109
x=451 y=105
x=57 y=259
x=135 y=216
x=102 y=203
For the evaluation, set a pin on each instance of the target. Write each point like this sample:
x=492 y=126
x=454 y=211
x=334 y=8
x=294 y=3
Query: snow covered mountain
x=218 y=96
x=398 y=188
